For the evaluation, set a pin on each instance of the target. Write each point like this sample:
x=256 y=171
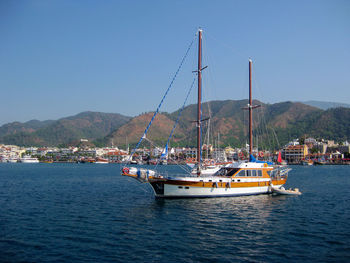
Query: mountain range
x=87 y=125
x=274 y=125
x=325 y=105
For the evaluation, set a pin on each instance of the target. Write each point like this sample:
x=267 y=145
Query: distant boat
x=29 y=159
x=13 y=160
x=87 y=160
x=4 y=160
x=101 y=161
x=320 y=162
x=307 y=162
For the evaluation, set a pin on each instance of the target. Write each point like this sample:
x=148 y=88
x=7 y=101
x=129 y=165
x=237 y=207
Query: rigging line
x=183 y=167
x=264 y=127
x=269 y=139
x=166 y=93
x=178 y=118
x=208 y=91
x=278 y=144
x=179 y=115
x=258 y=132
x=156 y=146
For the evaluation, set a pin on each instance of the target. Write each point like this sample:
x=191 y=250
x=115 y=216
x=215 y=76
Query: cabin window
x=249 y=172
x=226 y=172
x=180 y=187
x=259 y=173
x=254 y=173
x=210 y=180
x=220 y=180
x=187 y=187
x=238 y=180
x=241 y=173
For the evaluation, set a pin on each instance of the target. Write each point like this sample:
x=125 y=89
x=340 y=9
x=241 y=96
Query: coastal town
x=307 y=151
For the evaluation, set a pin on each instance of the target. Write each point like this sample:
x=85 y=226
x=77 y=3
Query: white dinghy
x=283 y=191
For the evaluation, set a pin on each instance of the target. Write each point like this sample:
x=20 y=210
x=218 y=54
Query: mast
x=251 y=107
x=199 y=107
x=250 y=110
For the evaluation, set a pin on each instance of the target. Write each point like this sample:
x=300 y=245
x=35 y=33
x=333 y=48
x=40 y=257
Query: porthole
x=187 y=187
x=180 y=187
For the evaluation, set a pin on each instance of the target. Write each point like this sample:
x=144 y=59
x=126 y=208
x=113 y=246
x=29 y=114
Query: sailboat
x=241 y=178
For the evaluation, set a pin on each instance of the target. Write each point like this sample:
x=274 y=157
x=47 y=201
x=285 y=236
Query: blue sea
x=90 y=213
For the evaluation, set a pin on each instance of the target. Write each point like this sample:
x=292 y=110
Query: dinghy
x=283 y=191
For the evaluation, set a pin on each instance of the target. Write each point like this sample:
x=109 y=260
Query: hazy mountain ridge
x=17 y=127
x=88 y=125
x=274 y=125
x=325 y=105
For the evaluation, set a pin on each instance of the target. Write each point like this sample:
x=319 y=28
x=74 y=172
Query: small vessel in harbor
x=4 y=159
x=13 y=160
x=307 y=162
x=283 y=191
x=29 y=159
x=101 y=161
x=250 y=177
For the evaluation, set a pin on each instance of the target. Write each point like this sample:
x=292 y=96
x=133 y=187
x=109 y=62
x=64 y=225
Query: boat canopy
x=253 y=160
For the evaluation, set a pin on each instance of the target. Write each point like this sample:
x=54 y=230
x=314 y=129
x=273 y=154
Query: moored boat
x=282 y=191
x=307 y=162
x=242 y=178
x=101 y=161
x=13 y=160
x=29 y=159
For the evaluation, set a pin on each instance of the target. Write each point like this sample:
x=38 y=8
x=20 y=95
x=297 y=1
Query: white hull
x=30 y=161
x=245 y=178
x=33 y=160
x=175 y=191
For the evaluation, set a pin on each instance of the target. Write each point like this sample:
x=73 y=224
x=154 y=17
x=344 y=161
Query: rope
x=160 y=104
x=180 y=112
x=178 y=118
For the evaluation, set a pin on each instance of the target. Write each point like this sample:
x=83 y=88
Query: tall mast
x=251 y=107
x=250 y=110
x=199 y=107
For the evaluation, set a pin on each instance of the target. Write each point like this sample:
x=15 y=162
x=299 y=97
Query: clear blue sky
x=59 y=58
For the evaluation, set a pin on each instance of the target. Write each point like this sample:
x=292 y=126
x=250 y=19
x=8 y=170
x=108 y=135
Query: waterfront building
x=321 y=147
x=190 y=152
x=295 y=153
x=118 y=156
